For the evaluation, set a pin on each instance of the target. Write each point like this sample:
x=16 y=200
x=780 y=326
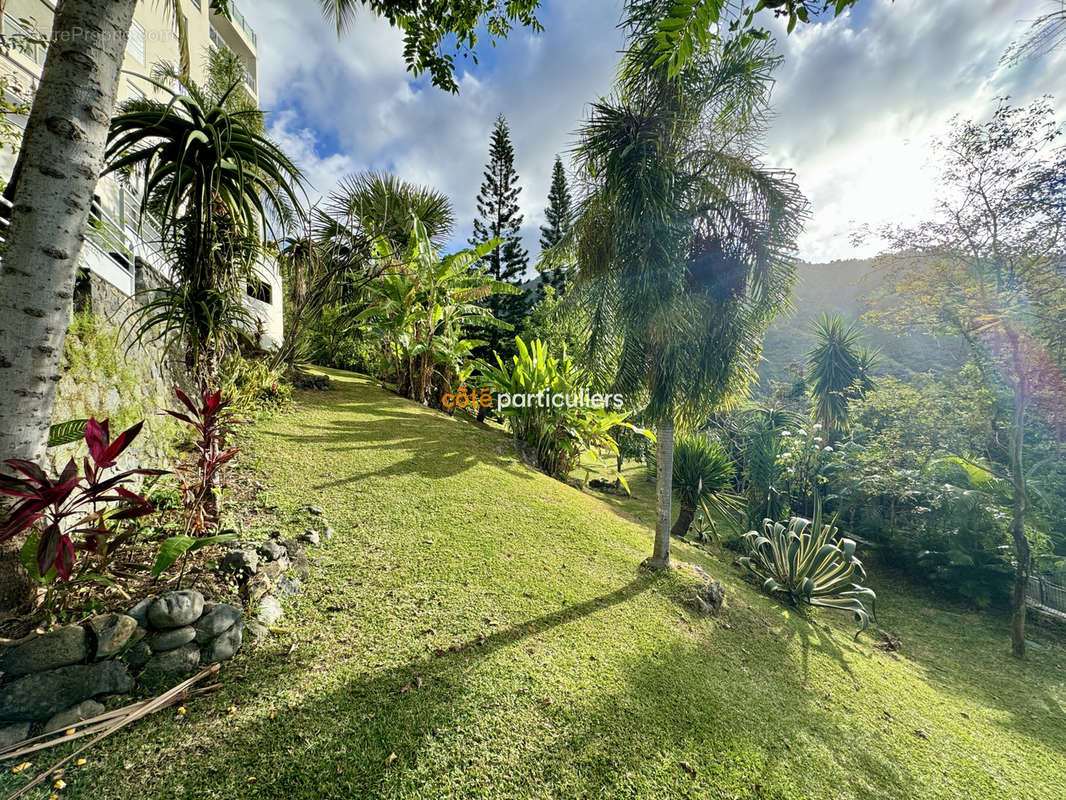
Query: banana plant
x=809 y=563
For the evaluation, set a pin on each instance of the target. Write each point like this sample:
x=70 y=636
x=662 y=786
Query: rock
x=271 y=551
x=43 y=694
x=270 y=610
x=293 y=548
x=709 y=599
x=311 y=537
x=242 y=562
x=58 y=648
x=173 y=662
x=87 y=709
x=140 y=611
x=224 y=646
x=328 y=533
x=13 y=734
x=285 y=586
x=283 y=562
x=219 y=619
x=175 y=609
x=257 y=586
x=138 y=655
x=315 y=511
x=172 y=639
x=275 y=534
x=113 y=632
x=301 y=567
x=271 y=569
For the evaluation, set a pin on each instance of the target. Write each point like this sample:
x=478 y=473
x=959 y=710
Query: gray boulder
x=328 y=533
x=271 y=551
x=140 y=611
x=311 y=537
x=173 y=662
x=175 y=609
x=43 y=694
x=293 y=548
x=223 y=646
x=13 y=734
x=172 y=639
x=257 y=630
x=113 y=632
x=216 y=621
x=87 y=709
x=285 y=586
x=58 y=648
x=270 y=610
x=138 y=655
x=257 y=586
x=243 y=562
x=315 y=511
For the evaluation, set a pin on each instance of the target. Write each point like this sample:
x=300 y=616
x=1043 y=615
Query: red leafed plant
x=76 y=510
x=212 y=422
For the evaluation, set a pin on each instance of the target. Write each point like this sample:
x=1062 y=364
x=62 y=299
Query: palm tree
x=214 y=182
x=684 y=242
x=840 y=369
x=703 y=476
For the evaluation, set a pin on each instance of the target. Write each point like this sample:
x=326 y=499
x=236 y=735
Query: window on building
x=197 y=4
x=260 y=290
x=135 y=48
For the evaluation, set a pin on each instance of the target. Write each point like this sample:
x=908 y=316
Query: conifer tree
x=558 y=216
x=499 y=218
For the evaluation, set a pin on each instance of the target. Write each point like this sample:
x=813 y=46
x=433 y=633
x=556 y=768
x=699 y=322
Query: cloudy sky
x=857 y=101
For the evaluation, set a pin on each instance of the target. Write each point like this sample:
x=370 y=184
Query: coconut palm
x=684 y=242
x=214 y=183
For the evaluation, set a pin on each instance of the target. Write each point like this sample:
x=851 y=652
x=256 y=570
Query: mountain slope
x=479 y=630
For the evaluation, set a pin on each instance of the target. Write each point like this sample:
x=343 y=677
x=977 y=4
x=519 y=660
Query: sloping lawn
x=479 y=630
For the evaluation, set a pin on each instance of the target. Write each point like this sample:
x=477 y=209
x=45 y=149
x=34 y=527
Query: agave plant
x=808 y=561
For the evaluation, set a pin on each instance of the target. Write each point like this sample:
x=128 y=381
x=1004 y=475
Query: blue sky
x=857 y=101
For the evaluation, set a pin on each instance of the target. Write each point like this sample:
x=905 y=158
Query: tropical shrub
x=77 y=510
x=703 y=477
x=556 y=433
x=810 y=564
x=211 y=422
x=252 y=385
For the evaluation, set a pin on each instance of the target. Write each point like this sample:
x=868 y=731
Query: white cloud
x=855 y=108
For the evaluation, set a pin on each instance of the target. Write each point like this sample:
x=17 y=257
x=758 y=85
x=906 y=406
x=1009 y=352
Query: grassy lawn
x=479 y=630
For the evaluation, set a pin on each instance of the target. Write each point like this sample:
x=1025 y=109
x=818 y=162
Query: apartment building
x=120 y=242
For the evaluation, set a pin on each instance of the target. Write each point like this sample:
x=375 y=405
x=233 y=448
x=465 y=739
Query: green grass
x=480 y=630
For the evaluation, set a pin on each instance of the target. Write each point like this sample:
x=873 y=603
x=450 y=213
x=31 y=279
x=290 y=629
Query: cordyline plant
x=808 y=562
x=78 y=509
x=212 y=422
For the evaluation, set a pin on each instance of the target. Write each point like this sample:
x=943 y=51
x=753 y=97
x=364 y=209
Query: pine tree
x=499 y=218
x=558 y=215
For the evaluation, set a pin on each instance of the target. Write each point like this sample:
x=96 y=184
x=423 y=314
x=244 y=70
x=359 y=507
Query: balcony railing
x=238 y=17
x=220 y=43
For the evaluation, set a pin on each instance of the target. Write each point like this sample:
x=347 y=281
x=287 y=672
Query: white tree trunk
x=59 y=163
x=664 y=493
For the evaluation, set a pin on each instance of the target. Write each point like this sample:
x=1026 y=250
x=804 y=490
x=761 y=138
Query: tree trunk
x=664 y=489
x=60 y=159
x=1022 y=551
x=684 y=521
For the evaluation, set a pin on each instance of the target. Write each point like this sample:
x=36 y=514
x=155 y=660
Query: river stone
x=257 y=586
x=175 y=609
x=173 y=662
x=138 y=655
x=87 y=709
x=223 y=646
x=58 y=648
x=113 y=632
x=172 y=639
x=328 y=533
x=13 y=734
x=257 y=629
x=287 y=587
x=140 y=611
x=271 y=551
x=243 y=562
x=270 y=610
x=271 y=569
x=311 y=537
x=43 y=694
x=216 y=621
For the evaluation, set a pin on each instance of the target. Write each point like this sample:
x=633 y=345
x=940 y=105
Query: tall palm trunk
x=664 y=490
x=59 y=162
x=1022 y=550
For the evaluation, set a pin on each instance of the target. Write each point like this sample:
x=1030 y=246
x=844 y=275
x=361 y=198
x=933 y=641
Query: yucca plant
x=808 y=561
x=703 y=477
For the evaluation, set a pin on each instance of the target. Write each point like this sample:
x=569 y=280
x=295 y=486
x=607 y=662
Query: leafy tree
x=988 y=268
x=1046 y=33
x=499 y=219
x=683 y=242
x=840 y=370
x=558 y=216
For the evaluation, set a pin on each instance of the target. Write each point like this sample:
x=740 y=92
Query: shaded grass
x=480 y=630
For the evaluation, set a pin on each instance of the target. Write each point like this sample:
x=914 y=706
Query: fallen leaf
x=21 y=767
x=691 y=770
x=80 y=762
x=392 y=757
